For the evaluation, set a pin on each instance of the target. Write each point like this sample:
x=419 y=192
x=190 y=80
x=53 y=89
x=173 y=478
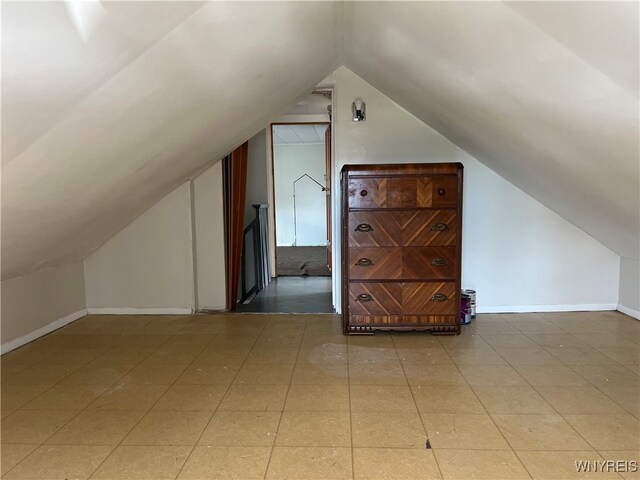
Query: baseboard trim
x=629 y=311
x=140 y=311
x=588 y=307
x=30 y=337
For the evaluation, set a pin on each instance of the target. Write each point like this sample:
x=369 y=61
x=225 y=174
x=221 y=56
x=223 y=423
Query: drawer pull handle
x=364 y=297
x=439 y=227
x=364 y=227
x=363 y=193
x=364 y=262
x=439 y=297
x=441 y=191
x=439 y=262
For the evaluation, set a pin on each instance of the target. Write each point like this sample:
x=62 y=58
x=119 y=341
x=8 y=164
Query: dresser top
x=403 y=169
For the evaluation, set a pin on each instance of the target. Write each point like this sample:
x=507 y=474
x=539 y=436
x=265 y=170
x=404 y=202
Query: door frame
x=273 y=180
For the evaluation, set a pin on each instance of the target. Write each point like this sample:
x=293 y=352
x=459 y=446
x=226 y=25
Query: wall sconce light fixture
x=359 y=110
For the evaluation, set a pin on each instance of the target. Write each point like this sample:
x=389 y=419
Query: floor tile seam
x=489 y=415
x=149 y=410
x=286 y=397
x=596 y=384
x=221 y=398
x=424 y=427
x=76 y=415
x=555 y=409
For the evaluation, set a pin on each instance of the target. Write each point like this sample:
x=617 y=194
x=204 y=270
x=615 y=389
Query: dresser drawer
x=429 y=263
x=375 y=298
x=414 y=227
x=429 y=298
x=402 y=192
x=373 y=263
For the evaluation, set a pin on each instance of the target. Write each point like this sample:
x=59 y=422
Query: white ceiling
x=298 y=134
x=310 y=104
x=96 y=131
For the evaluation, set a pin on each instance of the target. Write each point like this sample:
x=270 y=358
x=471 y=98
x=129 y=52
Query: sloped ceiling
x=543 y=93
x=96 y=130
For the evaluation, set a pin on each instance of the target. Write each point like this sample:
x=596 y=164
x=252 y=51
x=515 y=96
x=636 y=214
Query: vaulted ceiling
x=106 y=110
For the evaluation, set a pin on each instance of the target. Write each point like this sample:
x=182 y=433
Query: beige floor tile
x=394 y=464
x=222 y=355
x=416 y=340
x=264 y=374
x=550 y=465
x=372 y=355
x=317 y=398
x=60 y=462
x=491 y=375
x=550 y=376
x=622 y=355
x=476 y=356
x=556 y=340
x=242 y=429
x=382 y=374
x=608 y=432
x=326 y=353
x=393 y=430
x=42 y=374
x=538 y=327
x=520 y=399
x=26 y=356
x=128 y=397
x=153 y=374
x=463 y=431
x=539 y=432
x=278 y=341
x=96 y=427
x=97 y=374
x=627 y=472
x=310 y=340
x=191 y=397
x=425 y=356
x=480 y=465
x=272 y=356
x=500 y=340
x=379 y=340
x=314 y=429
x=310 y=463
x=381 y=398
x=606 y=340
x=442 y=399
x=164 y=428
x=254 y=398
x=215 y=374
x=142 y=341
x=491 y=327
x=142 y=463
x=75 y=356
x=321 y=374
x=66 y=397
x=628 y=397
x=434 y=375
x=226 y=463
x=579 y=356
x=33 y=426
x=607 y=374
x=528 y=356
x=15 y=396
x=463 y=341
x=12 y=454
x=518 y=319
x=579 y=400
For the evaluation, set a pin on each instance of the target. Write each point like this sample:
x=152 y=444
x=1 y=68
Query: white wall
x=148 y=266
x=517 y=254
x=629 y=301
x=37 y=304
x=290 y=162
x=209 y=235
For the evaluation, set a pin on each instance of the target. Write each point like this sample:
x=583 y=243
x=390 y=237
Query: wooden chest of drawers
x=401 y=247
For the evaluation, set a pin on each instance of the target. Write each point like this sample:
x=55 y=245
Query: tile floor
x=288 y=396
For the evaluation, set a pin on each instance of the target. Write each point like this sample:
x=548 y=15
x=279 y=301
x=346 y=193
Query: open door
x=234 y=171
x=328 y=177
